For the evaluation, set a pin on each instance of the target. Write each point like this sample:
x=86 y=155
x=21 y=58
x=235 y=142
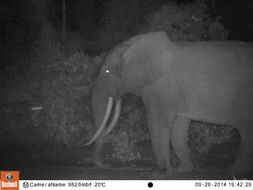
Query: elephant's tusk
x=102 y=126
x=115 y=117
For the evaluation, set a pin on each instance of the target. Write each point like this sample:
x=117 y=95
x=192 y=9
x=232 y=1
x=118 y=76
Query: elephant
x=207 y=81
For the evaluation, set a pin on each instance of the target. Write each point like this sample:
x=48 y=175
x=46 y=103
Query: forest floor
x=92 y=173
x=61 y=163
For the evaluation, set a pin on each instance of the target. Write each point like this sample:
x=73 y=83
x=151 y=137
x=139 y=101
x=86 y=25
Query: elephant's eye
x=107 y=71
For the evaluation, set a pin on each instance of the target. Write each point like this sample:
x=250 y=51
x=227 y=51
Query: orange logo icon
x=9 y=180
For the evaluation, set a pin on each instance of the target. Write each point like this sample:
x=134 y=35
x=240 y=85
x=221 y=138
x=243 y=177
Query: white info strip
x=136 y=184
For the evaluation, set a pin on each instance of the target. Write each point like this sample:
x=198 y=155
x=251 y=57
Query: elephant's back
x=218 y=76
x=215 y=58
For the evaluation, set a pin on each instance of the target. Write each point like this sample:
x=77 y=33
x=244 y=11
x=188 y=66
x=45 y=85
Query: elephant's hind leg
x=179 y=143
x=244 y=162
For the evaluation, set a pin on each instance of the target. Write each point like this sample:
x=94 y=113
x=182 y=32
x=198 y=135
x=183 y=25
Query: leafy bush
x=186 y=22
x=131 y=131
x=52 y=99
x=213 y=145
x=65 y=96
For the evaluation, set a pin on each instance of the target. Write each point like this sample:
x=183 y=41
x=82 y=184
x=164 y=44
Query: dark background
x=49 y=57
x=22 y=22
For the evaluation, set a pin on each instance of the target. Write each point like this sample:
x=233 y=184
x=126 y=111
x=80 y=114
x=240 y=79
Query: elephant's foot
x=244 y=163
x=240 y=168
x=163 y=164
x=185 y=166
x=160 y=173
x=162 y=170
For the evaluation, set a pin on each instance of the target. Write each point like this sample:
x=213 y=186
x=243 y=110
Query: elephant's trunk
x=105 y=119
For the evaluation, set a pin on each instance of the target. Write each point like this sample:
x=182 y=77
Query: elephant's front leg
x=179 y=143
x=160 y=137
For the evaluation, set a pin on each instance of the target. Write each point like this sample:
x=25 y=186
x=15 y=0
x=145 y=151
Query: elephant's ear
x=146 y=59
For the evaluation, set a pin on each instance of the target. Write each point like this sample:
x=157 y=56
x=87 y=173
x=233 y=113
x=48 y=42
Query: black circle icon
x=150 y=184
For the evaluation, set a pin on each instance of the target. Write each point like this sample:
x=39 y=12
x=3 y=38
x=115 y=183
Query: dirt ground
x=37 y=163
x=125 y=173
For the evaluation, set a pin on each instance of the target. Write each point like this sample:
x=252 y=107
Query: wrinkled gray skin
x=179 y=82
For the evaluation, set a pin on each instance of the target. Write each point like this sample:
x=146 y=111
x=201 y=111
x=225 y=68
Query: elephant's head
x=128 y=68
